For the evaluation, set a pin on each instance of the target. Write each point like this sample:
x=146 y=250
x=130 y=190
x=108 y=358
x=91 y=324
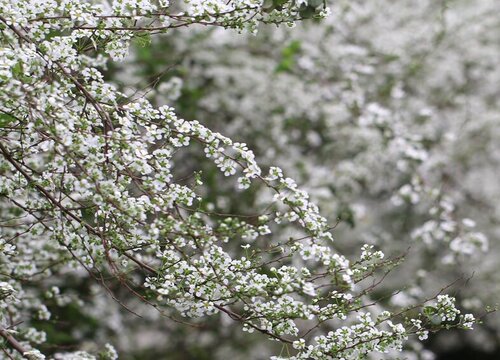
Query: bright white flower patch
x=93 y=184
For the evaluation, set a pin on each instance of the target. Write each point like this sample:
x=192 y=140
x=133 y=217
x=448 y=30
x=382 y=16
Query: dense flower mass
x=102 y=187
x=384 y=113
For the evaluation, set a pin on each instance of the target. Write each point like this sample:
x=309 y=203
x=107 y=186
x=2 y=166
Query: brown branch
x=16 y=345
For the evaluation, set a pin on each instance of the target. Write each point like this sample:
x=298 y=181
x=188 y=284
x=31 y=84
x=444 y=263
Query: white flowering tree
x=101 y=191
x=386 y=119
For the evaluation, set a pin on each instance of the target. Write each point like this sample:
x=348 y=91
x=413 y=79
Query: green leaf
x=429 y=311
x=307 y=11
x=143 y=40
x=6 y=119
x=279 y=2
x=17 y=69
x=288 y=56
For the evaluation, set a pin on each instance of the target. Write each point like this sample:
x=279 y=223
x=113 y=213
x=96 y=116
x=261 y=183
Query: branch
x=16 y=345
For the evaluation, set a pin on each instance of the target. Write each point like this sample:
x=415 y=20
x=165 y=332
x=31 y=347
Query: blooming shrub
x=383 y=113
x=97 y=185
